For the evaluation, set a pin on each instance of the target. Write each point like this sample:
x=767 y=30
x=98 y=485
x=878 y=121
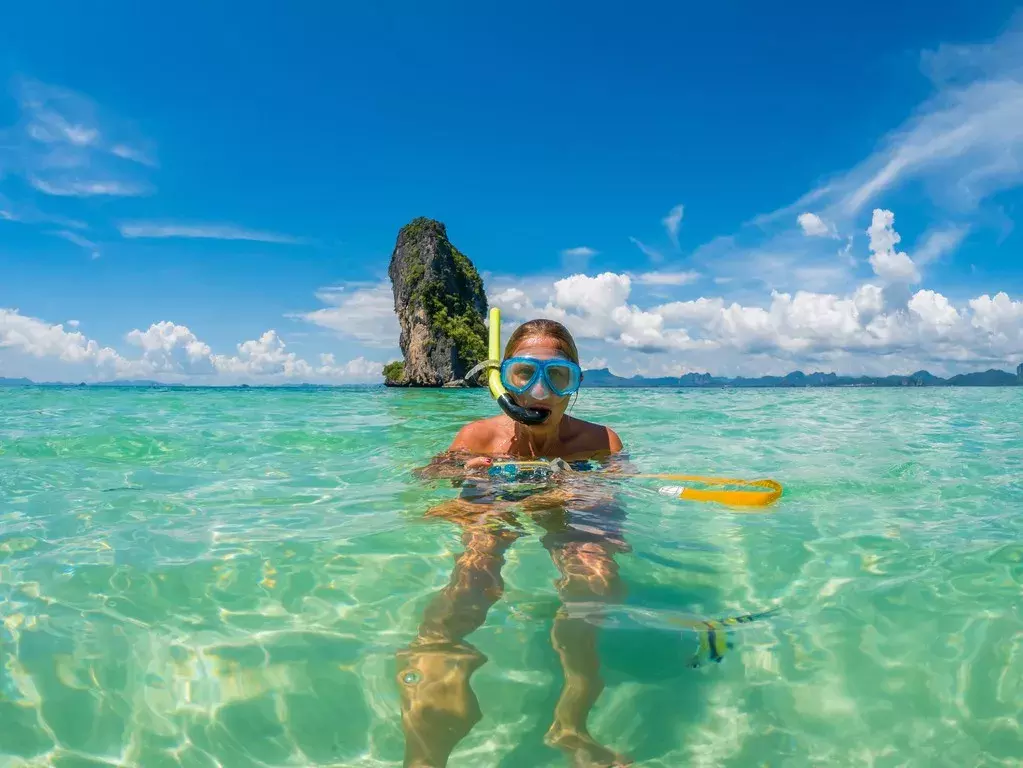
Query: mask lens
x=561 y=377
x=518 y=374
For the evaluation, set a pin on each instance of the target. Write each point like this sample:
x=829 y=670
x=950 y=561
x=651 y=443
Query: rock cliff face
x=440 y=303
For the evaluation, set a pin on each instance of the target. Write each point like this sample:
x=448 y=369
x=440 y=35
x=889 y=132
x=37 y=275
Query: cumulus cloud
x=597 y=295
x=888 y=263
x=813 y=225
x=265 y=356
x=37 y=338
x=172 y=352
x=860 y=329
x=171 y=348
x=359 y=368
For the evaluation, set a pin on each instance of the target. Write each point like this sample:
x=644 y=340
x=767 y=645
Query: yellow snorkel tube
x=513 y=410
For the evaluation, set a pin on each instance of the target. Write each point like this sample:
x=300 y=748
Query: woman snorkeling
x=540 y=368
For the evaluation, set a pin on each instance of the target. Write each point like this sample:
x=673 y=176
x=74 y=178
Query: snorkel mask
x=520 y=374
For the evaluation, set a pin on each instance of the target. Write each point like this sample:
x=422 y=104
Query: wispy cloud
x=28 y=214
x=134 y=154
x=362 y=311
x=960 y=148
x=582 y=251
x=939 y=242
x=77 y=239
x=64 y=144
x=76 y=187
x=673 y=221
x=667 y=278
x=651 y=253
x=146 y=229
x=964 y=144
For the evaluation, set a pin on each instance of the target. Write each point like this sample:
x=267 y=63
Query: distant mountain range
x=602 y=377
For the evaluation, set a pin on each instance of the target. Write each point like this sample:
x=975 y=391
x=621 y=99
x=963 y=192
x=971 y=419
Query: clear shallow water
x=223 y=577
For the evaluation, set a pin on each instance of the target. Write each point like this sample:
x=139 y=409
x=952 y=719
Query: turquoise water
x=223 y=577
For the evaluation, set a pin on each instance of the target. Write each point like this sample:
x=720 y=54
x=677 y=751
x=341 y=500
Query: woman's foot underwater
x=582 y=750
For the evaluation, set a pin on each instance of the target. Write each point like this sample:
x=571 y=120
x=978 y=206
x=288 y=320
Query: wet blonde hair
x=542 y=328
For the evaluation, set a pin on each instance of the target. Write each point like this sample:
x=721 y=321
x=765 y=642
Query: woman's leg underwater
x=438 y=705
x=588 y=574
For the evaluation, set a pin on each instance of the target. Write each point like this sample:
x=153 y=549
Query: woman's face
x=539 y=396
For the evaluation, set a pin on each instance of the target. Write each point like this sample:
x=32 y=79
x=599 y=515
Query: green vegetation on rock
x=394 y=371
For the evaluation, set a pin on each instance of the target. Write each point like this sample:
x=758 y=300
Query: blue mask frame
x=540 y=370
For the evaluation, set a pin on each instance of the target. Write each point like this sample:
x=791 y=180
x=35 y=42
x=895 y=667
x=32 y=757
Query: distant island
x=603 y=378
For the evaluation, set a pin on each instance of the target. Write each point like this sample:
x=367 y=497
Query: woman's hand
x=449 y=465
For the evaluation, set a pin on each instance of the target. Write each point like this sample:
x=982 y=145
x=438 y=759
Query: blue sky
x=212 y=194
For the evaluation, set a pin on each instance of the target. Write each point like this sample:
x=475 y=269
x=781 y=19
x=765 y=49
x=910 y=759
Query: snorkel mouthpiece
x=527 y=416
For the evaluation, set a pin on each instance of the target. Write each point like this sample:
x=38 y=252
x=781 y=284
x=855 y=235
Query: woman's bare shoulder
x=478 y=436
x=588 y=436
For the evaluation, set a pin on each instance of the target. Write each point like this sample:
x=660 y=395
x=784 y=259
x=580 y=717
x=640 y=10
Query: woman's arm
x=462 y=457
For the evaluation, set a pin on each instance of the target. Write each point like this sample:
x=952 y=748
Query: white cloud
x=51 y=127
x=37 y=338
x=171 y=348
x=81 y=242
x=144 y=229
x=938 y=243
x=964 y=144
x=889 y=264
x=863 y=329
x=594 y=295
x=956 y=152
x=63 y=144
x=667 y=278
x=364 y=312
x=64 y=186
x=999 y=316
x=359 y=368
x=868 y=300
x=172 y=352
x=651 y=253
x=813 y=225
x=265 y=356
x=582 y=251
x=672 y=222
x=934 y=310
x=134 y=154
